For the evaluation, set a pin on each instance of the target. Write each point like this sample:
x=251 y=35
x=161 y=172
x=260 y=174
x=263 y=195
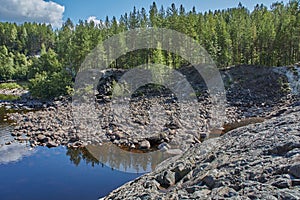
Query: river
x=56 y=173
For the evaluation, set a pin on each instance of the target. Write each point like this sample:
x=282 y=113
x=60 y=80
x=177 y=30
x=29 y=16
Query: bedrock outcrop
x=258 y=161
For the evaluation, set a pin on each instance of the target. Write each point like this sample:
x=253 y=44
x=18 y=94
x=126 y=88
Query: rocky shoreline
x=53 y=124
x=260 y=161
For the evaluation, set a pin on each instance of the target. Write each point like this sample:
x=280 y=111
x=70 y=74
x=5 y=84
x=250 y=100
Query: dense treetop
x=46 y=57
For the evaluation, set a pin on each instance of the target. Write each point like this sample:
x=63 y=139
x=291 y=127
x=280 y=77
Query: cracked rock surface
x=258 y=161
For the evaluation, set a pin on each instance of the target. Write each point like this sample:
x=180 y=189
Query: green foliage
x=50 y=79
x=47 y=62
x=9 y=86
x=6 y=64
x=12 y=66
x=21 y=67
x=47 y=86
x=6 y=97
x=36 y=52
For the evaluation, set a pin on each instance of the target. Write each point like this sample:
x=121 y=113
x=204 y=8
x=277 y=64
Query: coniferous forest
x=49 y=58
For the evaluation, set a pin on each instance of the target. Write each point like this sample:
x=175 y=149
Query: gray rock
x=42 y=138
x=145 y=144
x=163 y=146
x=295 y=170
x=151 y=184
x=223 y=192
x=119 y=135
x=174 y=151
x=181 y=170
x=239 y=165
x=209 y=181
x=51 y=144
x=293 y=152
x=289 y=195
x=166 y=179
x=282 y=183
x=296 y=182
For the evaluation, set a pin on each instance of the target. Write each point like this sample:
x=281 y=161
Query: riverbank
x=253 y=93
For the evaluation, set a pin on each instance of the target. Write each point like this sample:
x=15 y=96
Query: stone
x=174 y=151
x=144 y=197
x=223 y=192
x=253 y=161
x=209 y=181
x=289 y=195
x=295 y=170
x=163 y=146
x=295 y=182
x=282 y=183
x=145 y=144
x=203 y=136
x=14 y=134
x=284 y=148
x=51 y=144
x=181 y=170
x=166 y=179
x=175 y=124
x=119 y=135
x=293 y=153
x=151 y=184
x=42 y=138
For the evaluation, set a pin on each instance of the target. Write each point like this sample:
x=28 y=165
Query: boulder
x=42 y=138
x=166 y=179
x=51 y=144
x=145 y=144
x=295 y=170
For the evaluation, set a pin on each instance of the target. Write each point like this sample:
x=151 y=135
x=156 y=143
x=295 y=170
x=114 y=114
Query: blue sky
x=79 y=9
x=57 y=11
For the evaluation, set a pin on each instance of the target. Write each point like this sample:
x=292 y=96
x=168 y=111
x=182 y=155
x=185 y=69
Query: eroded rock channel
x=262 y=134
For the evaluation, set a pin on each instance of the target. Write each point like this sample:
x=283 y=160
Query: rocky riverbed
x=253 y=94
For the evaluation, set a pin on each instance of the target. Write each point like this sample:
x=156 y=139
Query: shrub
x=47 y=86
x=9 y=86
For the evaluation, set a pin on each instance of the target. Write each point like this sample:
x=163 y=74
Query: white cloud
x=31 y=11
x=14 y=152
x=94 y=19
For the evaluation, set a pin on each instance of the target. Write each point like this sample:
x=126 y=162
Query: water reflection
x=48 y=174
x=106 y=154
x=116 y=158
x=78 y=155
x=13 y=152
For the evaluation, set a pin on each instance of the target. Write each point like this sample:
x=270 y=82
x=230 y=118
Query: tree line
x=50 y=58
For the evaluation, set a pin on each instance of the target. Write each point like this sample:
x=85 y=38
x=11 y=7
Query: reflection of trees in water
x=81 y=154
x=114 y=157
x=119 y=159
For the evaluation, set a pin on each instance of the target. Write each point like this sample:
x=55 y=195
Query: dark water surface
x=44 y=173
x=49 y=174
x=56 y=173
